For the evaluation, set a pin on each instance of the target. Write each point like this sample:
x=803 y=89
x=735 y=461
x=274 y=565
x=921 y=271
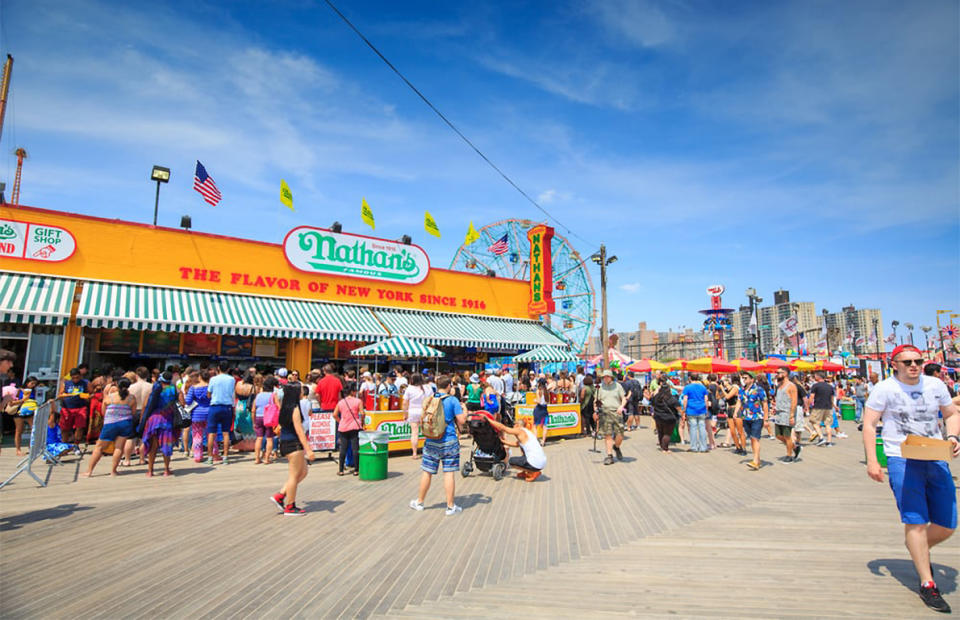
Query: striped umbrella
x=678 y=364
x=803 y=366
x=829 y=366
x=546 y=354
x=772 y=364
x=747 y=365
x=710 y=364
x=398 y=346
x=646 y=366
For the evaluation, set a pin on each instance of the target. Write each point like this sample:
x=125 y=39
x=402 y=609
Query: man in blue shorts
x=752 y=407
x=220 y=415
x=445 y=451
x=908 y=404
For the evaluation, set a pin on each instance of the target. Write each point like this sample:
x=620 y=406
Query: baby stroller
x=488 y=453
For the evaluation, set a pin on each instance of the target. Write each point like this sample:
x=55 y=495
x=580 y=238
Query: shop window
x=265 y=347
x=322 y=349
x=14 y=331
x=43 y=358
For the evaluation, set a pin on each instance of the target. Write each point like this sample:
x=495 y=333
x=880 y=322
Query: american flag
x=203 y=183
x=499 y=247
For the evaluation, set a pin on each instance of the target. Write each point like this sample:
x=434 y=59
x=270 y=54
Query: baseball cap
x=392 y=374
x=901 y=348
x=281 y=372
x=607 y=373
x=367 y=375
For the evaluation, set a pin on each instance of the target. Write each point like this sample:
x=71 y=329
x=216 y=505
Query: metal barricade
x=38 y=445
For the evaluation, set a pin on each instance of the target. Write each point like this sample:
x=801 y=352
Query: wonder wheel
x=573 y=290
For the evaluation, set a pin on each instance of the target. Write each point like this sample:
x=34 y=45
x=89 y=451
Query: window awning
x=466 y=331
x=547 y=354
x=129 y=306
x=397 y=346
x=40 y=300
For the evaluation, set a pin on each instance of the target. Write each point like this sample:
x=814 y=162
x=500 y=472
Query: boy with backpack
x=442 y=416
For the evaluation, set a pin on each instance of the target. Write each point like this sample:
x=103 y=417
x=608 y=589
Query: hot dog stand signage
x=541 y=271
x=320 y=251
x=35 y=241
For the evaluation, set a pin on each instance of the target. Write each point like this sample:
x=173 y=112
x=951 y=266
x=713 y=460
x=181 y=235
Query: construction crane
x=21 y=154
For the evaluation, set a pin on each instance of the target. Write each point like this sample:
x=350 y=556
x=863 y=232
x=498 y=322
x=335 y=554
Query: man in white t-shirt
x=907 y=404
x=507 y=379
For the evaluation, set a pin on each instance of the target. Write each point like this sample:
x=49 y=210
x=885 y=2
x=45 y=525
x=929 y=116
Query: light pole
x=160 y=175
x=601 y=259
x=943 y=346
x=754 y=302
x=894 y=324
x=909 y=327
x=926 y=338
x=876 y=345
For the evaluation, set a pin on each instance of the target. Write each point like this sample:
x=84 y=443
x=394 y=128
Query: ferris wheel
x=573 y=291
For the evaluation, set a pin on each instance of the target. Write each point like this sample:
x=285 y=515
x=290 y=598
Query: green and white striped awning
x=397 y=346
x=547 y=354
x=40 y=300
x=466 y=331
x=129 y=306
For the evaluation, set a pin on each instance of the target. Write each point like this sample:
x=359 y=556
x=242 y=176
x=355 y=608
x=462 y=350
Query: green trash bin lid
x=378 y=438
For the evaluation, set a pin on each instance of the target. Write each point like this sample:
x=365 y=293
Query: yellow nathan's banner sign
x=541 y=270
x=318 y=265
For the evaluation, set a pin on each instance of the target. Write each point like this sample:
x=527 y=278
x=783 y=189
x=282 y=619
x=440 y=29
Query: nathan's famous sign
x=320 y=251
x=541 y=271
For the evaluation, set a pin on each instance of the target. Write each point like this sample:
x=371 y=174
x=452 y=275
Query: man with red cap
x=908 y=404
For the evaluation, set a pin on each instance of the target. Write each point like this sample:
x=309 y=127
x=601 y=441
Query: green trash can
x=675 y=435
x=373 y=454
x=848 y=411
x=881 y=455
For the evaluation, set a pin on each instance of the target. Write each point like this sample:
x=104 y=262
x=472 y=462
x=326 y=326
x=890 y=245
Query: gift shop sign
x=320 y=251
x=35 y=241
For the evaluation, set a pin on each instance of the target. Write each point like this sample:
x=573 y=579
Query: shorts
x=818 y=416
x=540 y=415
x=521 y=461
x=435 y=452
x=219 y=419
x=474 y=406
x=610 y=425
x=73 y=418
x=262 y=431
x=289 y=446
x=798 y=419
x=924 y=491
x=111 y=431
x=753 y=428
x=631 y=408
x=783 y=430
x=414 y=416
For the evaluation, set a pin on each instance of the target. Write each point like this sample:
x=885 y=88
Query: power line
x=452 y=126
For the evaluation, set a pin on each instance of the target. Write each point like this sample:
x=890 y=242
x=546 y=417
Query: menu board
x=322 y=348
x=236 y=346
x=282 y=347
x=200 y=344
x=345 y=346
x=161 y=342
x=265 y=347
x=119 y=340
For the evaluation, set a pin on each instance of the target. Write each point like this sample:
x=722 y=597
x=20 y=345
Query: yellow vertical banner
x=286 y=196
x=472 y=235
x=366 y=213
x=430 y=224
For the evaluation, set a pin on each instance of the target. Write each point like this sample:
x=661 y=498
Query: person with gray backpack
x=442 y=416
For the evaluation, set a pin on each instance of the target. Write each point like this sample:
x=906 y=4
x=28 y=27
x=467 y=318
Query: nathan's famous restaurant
x=75 y=288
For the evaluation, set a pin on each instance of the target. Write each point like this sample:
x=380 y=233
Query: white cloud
x=638 y=22
x=631 y=287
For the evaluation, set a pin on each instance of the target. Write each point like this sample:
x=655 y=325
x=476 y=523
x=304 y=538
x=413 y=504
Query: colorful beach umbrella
x=803 y=366
x=678 y=364
x=772 y=364
x=829 y=366
x=646 y=366
x=710 y=364
x=747 y=365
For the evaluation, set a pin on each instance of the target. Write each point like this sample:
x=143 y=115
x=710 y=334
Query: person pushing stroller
x=533 y=460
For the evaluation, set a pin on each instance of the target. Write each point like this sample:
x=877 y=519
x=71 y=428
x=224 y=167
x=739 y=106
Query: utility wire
x=452 y=126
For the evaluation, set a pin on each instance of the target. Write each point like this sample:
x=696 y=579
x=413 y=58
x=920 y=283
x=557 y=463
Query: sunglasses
x=917 y=362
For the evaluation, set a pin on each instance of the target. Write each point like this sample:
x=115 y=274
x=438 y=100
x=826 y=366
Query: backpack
x=433 y=422
x=271 y=414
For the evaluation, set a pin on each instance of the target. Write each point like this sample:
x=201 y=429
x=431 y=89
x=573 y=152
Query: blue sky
x=806 y=145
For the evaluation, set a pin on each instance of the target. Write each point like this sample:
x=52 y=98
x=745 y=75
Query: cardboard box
x=926 y=449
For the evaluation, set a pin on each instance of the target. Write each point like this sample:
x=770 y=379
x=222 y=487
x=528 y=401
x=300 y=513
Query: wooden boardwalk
x=686 y=535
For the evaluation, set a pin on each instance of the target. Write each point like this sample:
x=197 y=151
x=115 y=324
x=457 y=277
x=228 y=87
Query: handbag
x=181 y=416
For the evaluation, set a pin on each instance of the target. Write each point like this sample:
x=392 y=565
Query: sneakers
x=277 y=499
x=416 y=505
x=452 y=510
x=291 y=510
x=796 y=451
x=608 y=460
x=209 y=461
x=841 y=435
x=829 y=444
x=930 y=596
x=619 y=454
x=789 y=459
x=822 y=442
x=531 y=476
